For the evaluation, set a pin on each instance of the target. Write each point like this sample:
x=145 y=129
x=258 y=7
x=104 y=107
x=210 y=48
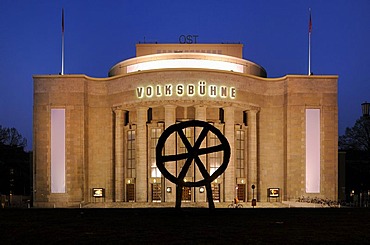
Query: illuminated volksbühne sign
x=180 y=89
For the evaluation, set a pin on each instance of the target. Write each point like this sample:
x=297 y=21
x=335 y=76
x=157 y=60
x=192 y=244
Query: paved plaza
x=185 y=226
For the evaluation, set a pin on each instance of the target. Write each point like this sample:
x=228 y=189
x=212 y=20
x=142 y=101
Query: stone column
x=200 y=114
x=118 y=154
x=141 y=155
x=170 y=149
x=230 y=178
x=252 y=153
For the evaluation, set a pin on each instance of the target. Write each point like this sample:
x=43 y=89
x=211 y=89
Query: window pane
x=155 y=134
x=239 y=151
x=131 y=154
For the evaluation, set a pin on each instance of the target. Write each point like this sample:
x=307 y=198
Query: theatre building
x=95 y=138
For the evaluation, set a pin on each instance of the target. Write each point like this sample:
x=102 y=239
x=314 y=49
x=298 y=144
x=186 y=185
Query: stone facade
x=101 y=113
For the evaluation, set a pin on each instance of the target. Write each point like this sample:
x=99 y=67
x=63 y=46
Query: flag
x=309 y=44
x=63 y=20
x=62 y=71
x=310 y=24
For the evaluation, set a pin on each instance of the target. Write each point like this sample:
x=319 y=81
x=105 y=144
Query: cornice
x=184 y=103
x=107 y=79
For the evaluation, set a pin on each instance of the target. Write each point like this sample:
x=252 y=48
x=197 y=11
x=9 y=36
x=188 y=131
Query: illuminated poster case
x=98 y=192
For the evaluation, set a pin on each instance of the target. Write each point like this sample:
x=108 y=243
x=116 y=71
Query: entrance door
x=186 y=194
x=241 y=192
x=156 y=192
x=130 y=192
x=215 y=192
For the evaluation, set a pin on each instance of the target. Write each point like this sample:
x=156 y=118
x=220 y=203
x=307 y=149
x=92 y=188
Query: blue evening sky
x=98 y=34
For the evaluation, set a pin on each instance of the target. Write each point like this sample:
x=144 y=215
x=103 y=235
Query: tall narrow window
x=239 y=151
x=131 y=157
x=221 y=115
x=58 y=149
x=245 y=118
x=214 y=158
x=127 y=118
x=155 y=134
x=182 y=149
x=149 y=115
x=313 y=150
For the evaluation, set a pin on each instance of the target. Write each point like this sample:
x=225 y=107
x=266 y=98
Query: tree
x=11 y=137
x=357 y=137
x=15 y=164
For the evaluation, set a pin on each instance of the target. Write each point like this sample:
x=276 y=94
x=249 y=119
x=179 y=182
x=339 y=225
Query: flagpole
x=62 y=72
x=309 y=43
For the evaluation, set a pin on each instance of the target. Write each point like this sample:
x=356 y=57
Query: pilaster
x=230 y=178
x=252 y=153
x=170 y=149
x=141 y=156
x=201 y=115
x=118 y=154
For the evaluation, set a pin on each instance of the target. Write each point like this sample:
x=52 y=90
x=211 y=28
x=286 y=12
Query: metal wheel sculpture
x=193 y=153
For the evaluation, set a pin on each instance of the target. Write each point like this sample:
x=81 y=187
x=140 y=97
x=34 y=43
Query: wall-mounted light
x=201 y=189
x=169 y=189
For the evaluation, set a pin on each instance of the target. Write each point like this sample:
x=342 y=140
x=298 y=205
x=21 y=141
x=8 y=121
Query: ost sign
x=201 y=89
x=189 y=39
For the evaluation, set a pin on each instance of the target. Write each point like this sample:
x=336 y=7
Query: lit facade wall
x=112 y=126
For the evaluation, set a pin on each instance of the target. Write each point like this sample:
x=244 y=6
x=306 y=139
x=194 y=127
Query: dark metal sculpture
x=193 y=153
